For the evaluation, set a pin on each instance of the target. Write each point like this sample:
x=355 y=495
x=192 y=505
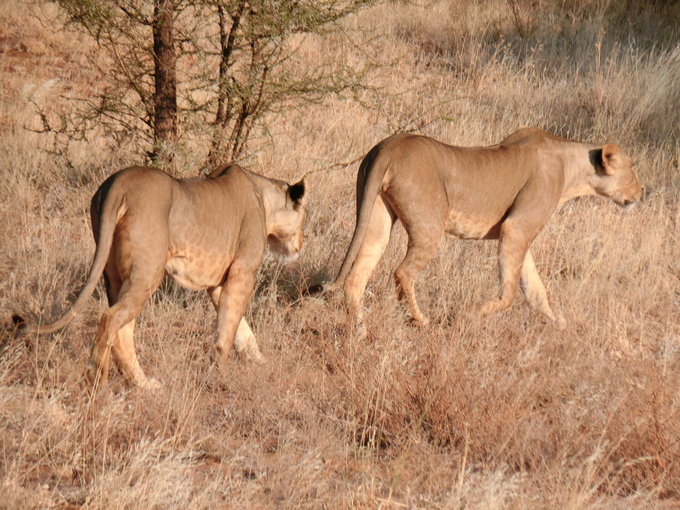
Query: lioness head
x=615 y=177
x=285 y=225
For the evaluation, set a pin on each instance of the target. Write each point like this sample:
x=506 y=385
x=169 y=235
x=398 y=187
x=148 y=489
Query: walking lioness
x=207 y=233
x=506 y=191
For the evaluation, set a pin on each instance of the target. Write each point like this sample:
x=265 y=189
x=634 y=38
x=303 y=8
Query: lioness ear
x=297 y=191
x=610 y=156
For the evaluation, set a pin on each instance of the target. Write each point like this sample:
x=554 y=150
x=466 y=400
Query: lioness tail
x=373 y=169
x=105 y=208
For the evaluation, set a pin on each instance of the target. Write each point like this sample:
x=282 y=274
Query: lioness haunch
x=207 y=233
x=506 y=192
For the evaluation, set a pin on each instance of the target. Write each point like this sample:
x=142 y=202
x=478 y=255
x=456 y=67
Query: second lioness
x=206 y=233
x=506 y=191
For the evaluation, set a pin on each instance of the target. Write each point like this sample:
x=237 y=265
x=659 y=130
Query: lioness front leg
x=535 y=292
x=245 y=342
x=512 y=249
x=233 y=301
x=526 y=218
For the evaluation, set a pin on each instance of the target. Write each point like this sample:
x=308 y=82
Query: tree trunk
x=223 y=116
x=165 y=77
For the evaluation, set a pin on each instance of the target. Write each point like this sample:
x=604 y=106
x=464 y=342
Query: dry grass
x=503 y=413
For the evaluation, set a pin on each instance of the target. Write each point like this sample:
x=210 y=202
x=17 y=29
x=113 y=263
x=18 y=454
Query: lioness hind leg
x=123 y=348
x=375 y=240
x=98 y=365
x=110 y=337
x=126 y=358
x=127 y=295
x=422 y=248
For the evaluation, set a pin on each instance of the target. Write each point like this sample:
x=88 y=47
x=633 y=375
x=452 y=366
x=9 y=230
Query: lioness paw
x=361 y=332
x=150 y=384
x=419 y=322
x=253 y=354
x=491 y=307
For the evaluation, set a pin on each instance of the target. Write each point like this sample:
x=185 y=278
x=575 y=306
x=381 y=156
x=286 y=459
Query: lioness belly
x=196 y=273
x=468 y=226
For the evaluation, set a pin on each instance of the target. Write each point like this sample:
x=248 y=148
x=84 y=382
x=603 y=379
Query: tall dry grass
x=507 y=412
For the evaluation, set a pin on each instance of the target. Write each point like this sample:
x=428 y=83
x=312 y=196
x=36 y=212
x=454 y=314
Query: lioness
x=506 y=191
x=207 y=233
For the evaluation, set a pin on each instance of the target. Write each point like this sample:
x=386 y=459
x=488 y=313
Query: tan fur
x=208 y=234
x=506 y=191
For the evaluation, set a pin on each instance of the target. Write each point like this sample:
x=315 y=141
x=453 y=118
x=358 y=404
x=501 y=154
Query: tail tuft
x=16 y=330
x=19 y=326
x=18 y=321
x=319 y=288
